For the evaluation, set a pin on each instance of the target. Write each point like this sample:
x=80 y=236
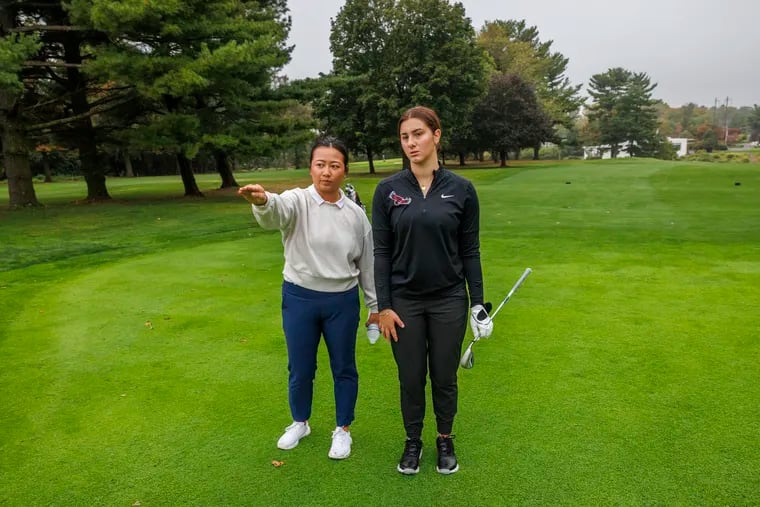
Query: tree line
x=120 y=79
x=711 y=128
x=125 y=87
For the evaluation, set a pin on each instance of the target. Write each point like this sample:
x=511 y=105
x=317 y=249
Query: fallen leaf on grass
x=277 y=464
x=137 y=504
x=148 y=324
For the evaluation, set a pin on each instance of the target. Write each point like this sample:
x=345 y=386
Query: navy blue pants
x=308 y=315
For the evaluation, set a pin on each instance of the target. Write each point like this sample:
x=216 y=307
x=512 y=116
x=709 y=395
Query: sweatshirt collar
x=319 y=200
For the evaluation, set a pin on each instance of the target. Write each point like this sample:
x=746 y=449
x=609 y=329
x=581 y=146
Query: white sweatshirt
x=328 y=246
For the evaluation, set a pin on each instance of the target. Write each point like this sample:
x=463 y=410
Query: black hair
x=330 y=142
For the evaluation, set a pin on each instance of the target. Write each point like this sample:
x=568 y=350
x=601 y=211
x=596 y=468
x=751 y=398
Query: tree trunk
x=17 y=168
x=224 y=169
x=188 y=178
x=298 y=156
x=535 y=152
x=92 y=169
x=130 y=172
x=14 y=145
x=461 y=159
x=46 y=169
x=503 y=158
x=371 y=160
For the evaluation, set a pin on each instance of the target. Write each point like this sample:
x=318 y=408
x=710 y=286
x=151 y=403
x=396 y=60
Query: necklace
x=428 y=180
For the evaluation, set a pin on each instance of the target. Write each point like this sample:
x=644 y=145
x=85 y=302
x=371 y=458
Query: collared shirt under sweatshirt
x=328 y=246
x=426 y=246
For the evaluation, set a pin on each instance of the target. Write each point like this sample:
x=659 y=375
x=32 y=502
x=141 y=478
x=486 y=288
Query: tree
x=203 y=70
x=58 y=92
x=665 y=149
x=397 y=54
x=623 y=110
x=74 y=89
x=754 y=124
x=639 y=108
x=509 y=116
x=710 y=140
x=515 y=48
x=687 y=114
x=571 y=138
x=436 y=61
x=539 y=130
x=15 y=49
x=352 y=106
x=350 y=109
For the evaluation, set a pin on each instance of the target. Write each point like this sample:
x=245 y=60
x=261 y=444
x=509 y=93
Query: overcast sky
x=696 y=51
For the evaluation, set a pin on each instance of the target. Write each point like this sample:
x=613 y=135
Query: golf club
x=468 y=359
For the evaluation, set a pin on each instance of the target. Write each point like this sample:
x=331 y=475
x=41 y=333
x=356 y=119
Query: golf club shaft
x=467 y=358
x=512 y=290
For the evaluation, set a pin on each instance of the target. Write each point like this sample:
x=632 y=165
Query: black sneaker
x=447 y=460
x=410 y=460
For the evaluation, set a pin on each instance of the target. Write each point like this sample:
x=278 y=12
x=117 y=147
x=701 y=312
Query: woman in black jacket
x=425 y=225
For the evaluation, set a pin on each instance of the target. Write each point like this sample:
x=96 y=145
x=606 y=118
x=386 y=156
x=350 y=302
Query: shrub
x=703 y=156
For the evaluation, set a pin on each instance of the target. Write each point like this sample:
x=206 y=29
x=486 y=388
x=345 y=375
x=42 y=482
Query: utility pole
x=725 y=141
x=715 y=113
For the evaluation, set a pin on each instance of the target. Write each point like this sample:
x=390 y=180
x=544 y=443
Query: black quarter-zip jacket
x=426 y=246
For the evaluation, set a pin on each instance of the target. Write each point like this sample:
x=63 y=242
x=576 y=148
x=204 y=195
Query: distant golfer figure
x=425 y=224
x=328 y=254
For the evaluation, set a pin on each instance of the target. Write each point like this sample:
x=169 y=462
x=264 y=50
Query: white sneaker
x=341 y=444
x=293 y=434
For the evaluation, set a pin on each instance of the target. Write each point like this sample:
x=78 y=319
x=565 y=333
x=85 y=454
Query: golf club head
x=468 y=359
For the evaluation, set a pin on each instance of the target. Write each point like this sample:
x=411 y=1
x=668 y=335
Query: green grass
x=143 y=358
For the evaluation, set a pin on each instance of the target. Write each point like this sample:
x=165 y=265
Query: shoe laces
x=340 y=433
x=412 y=446
x=446 y=444
x=295 y=425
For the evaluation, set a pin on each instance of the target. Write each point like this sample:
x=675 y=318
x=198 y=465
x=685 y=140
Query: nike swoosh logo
x=444 y=196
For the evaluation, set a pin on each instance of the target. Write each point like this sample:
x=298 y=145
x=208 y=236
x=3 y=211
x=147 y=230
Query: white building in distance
x=681 y=144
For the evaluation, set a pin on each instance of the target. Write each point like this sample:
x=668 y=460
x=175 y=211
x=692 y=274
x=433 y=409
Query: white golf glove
x=373 y=333
x=480 y=323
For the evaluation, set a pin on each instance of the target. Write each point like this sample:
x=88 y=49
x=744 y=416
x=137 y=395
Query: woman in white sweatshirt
x=328 y=246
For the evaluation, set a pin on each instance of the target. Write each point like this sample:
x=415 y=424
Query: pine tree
x=623 y=110
x=203 y=71
x=15 y=49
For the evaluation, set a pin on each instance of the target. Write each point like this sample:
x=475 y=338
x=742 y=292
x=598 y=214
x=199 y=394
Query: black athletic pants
x=431 y=339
